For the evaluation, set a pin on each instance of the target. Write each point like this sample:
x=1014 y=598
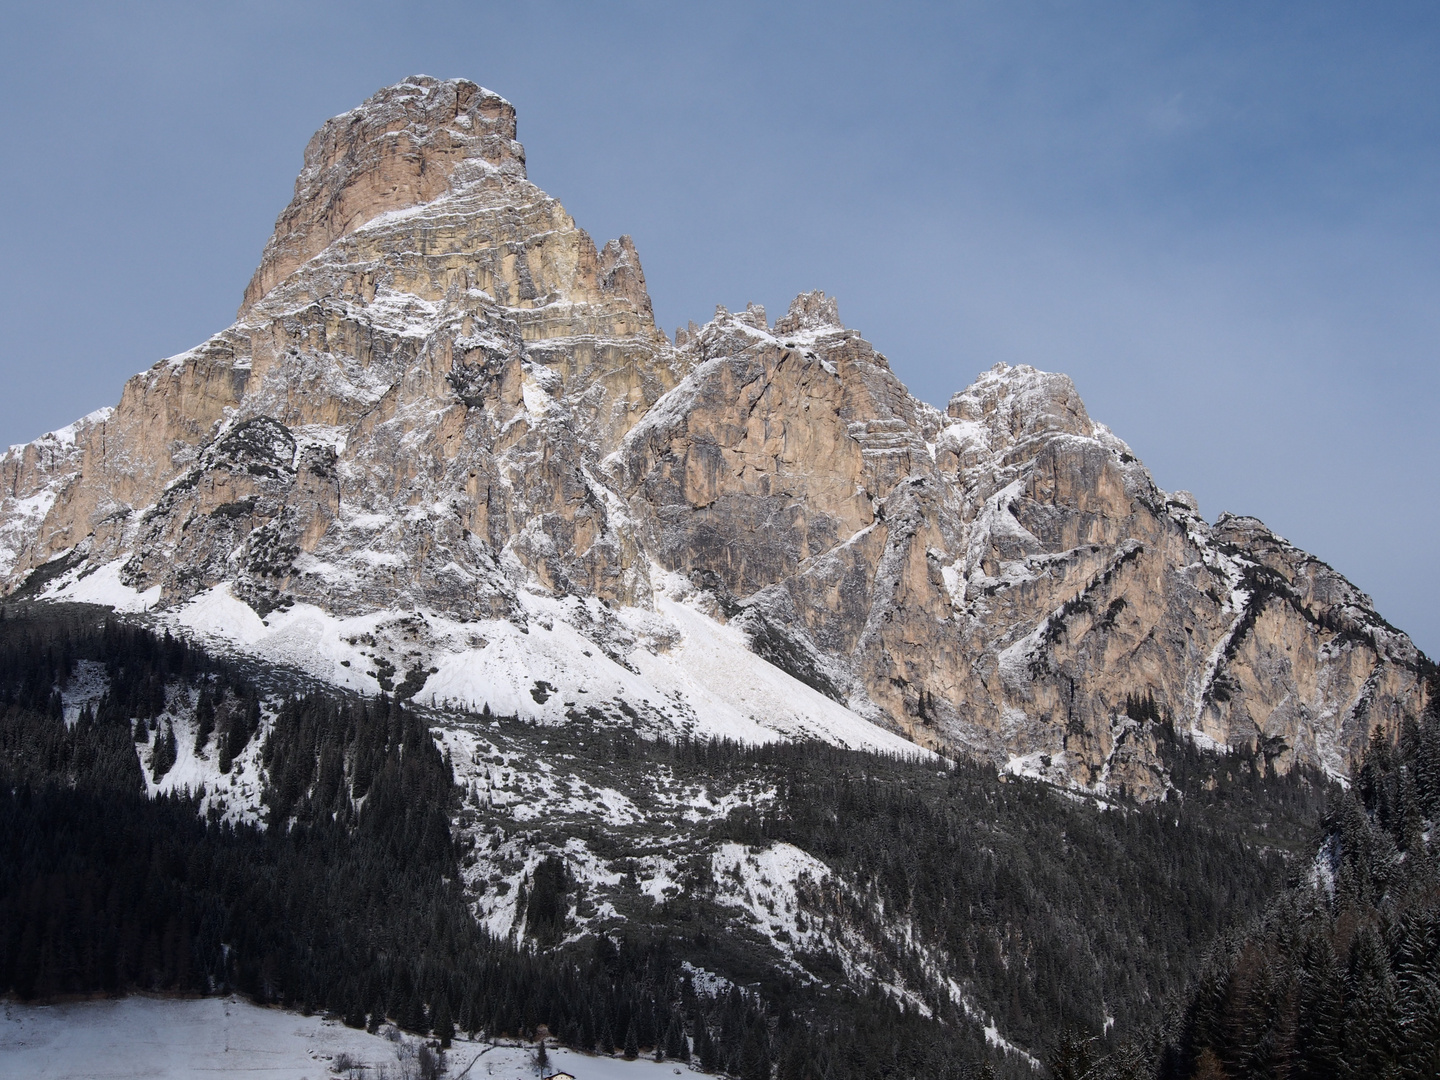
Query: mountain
x=444 y=451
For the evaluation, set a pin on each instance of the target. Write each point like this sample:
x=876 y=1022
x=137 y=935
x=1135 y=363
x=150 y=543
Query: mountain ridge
x=444 y=411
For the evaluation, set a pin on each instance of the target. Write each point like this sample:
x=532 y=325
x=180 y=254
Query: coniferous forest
x=1341 y=976
x=1200 y=936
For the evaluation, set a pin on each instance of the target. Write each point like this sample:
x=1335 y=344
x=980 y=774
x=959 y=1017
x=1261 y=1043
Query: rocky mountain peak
x=1020 y=402
x=446 y=448
x=406 y=145
x=810 y=311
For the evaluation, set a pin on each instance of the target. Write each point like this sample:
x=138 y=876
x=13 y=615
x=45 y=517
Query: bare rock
x=399 y=149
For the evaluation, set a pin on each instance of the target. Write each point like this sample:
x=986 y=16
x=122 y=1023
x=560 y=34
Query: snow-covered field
x=164 y=1039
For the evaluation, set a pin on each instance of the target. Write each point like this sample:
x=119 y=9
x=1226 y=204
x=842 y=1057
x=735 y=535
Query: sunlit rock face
x=440 y=398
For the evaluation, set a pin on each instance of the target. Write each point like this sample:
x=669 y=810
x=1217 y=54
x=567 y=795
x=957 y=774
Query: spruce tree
x=1321 y=1006
x=162 y=758
x=354 y=1015
x=645 y=1031
x=794 y=1058
x=412 y=1017
x=1072 y=1058
x=444 y=1025
x=675 y=1046
x=226 y=758
x=204 y=720
x=755 y=1053
x=1370 y=1006
x=705 y=1054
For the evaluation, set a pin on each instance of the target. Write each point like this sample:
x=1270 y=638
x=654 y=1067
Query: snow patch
x=101 y=586
x=765 y=884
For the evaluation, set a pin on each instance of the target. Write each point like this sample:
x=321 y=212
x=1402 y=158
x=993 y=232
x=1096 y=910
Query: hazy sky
x=1221 y=219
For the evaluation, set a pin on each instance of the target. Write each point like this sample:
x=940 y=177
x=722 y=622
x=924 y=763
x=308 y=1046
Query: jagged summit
x=810 y=311
x=406 y=145
x=446 y=451
x=1018 y=402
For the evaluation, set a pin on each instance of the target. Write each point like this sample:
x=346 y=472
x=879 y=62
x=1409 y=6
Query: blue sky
x=1221 y=219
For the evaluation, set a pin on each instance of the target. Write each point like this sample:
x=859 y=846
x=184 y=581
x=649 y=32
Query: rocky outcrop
x=440 y=396
x=1004 y=577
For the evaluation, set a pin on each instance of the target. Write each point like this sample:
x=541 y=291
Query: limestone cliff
x=441 y=401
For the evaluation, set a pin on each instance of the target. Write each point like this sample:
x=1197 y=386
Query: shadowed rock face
x=439 y=393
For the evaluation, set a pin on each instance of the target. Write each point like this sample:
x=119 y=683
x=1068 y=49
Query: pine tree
x=755 y=1053
x=412 y=1017
x=204 y=720
x=675 y=1046
x=632 y=1043
x=705 y=1054
x=444 y=1025
x=226 y=759
x=162 y=758
x=1370 y=1006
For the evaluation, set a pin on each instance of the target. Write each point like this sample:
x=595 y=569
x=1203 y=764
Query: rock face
x=402 y=149
x=440 y=397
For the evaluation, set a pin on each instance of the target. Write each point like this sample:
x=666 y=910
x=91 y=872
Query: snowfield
x=101 y=586
x=166 y=1039
x=670 y=671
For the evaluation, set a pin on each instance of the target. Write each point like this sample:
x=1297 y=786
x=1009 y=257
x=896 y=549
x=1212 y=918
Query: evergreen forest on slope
x=1197 y=936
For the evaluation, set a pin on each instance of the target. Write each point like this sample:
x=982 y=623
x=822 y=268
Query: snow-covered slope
x=669 y=670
